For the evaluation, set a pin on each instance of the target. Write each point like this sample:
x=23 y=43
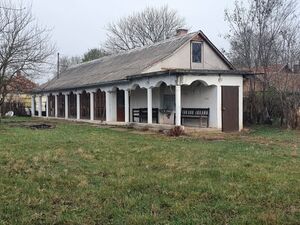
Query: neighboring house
x=19 y=95
x=257 y=79
x=183 y=81
x=280 y=79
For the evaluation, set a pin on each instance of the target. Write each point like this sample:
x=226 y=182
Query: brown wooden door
x=120 y=106
x=51 y=106
x=100 y=105
x=230 y=108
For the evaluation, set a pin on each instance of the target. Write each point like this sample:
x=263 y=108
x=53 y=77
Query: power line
x=13 y=9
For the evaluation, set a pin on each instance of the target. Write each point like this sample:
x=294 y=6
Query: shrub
x=176 y=131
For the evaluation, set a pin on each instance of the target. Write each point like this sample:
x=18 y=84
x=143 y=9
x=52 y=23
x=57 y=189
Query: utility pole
x=58 y=65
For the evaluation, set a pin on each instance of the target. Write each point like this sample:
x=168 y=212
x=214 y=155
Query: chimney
x=181 y=32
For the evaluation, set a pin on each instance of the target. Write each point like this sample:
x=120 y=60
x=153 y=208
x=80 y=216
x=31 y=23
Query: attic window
x=196 y=52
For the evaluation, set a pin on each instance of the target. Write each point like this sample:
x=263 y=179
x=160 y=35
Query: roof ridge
x=132 y=50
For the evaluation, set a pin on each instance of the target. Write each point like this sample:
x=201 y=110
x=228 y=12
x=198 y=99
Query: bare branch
x=24 y=45
x=143 y=28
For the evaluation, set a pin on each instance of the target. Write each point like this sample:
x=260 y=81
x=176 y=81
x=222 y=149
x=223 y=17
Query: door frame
x=119 y=119
x=236 y=126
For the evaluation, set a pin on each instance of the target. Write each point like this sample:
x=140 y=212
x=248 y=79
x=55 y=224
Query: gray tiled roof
x=115 y=67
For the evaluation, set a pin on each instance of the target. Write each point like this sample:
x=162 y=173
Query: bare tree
x=94 y=53
x=262 y=34
x=143 y=28
x=257 y=27
x=24 y=45
x=287 y=87
x=65 y=62
x=287 y=44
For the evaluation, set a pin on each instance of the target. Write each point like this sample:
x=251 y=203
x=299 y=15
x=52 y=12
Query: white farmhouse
x=182 y=81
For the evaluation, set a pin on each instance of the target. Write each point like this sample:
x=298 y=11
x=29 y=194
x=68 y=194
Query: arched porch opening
x=100 y=105
x=72 y=101
x=138 y=104
x=51 y=105
x=199 y=105
x=164 y=100
x=61 y=105
x=85 y=105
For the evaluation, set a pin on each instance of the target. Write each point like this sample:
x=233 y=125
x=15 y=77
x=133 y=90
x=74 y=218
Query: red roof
x=21 y=84
x=270 y=69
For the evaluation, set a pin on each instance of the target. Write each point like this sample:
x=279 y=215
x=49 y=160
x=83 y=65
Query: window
x=169 y=102
x=196 y=52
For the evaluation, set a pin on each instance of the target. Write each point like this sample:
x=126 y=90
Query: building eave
x=170 y=72
x=192 y=72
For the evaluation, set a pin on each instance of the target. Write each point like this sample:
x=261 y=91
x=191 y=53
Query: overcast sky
x=78 y=25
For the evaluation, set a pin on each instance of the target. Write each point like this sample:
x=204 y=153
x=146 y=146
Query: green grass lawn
x=83 y=174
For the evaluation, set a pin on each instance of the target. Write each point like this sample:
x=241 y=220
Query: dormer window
x=196 y=52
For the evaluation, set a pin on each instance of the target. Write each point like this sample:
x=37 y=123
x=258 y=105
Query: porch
x=194 y=111
x=190 y=101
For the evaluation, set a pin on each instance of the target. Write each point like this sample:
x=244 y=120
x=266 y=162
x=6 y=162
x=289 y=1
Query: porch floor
x=152 y=127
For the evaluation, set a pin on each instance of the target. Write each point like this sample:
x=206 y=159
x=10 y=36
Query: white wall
x=210 y=60
x=181 y=59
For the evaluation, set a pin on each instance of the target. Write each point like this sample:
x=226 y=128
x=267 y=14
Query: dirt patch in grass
x=41 y=126
x=32 y=125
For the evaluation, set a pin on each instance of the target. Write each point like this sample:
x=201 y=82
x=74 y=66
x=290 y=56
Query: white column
x=113 y=106
x=78 y=105
x=47 y=105
x=92 y=108
x=219 y=107
x=66 y=105
x=40 y=105
x=107 y=109
x=126 y=95
x=56 y=105
x=33 y=105
x=178 y=105
x=149 y=103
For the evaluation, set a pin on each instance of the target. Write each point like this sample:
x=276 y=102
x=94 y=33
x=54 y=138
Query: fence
x=18 y=108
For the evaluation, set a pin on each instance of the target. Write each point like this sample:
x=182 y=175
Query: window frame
x=192 y=51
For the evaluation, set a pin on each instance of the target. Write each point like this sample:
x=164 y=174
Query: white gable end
x=182 y=59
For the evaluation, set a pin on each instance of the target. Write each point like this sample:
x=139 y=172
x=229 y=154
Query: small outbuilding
x=181 y=81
